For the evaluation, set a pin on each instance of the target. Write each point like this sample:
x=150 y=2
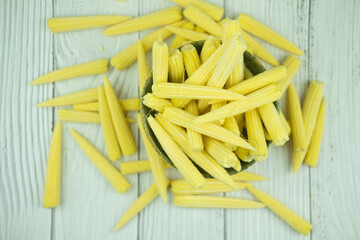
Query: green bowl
x=250 y=62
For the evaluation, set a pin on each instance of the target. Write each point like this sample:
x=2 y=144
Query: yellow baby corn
x=111 y=141
x=191 y=59
x=290 y=217
x=178 y=157
x=220 y=152
x=160 y=64
x=143 y=68
x=237 y=165
x=131 y=104
x=200 y=18
x=79 y=70
x=214 y=11
x=230 y=29
x=255 y=134
x=199 y=29
x=195 y=138
x=231 y=124
x=247 y=73
x=157 y=164
x=187 y=34
x=292 y=65
x=261 y=80
x=247 y=176
x=271 y=119
x=69 y=115
x=122 y=130
x=176 y=66
x=297 y=122
x=102 y=164
x=267 y=135
x=187 y=120
x=84 y=96
x=225 y=67
x=216 y=106
x=51 y=196
x=315 y=143
x=187 y=91
x=208 y=48
x=181 y=187
x=203 y=159
x=258 y=29
x=240 y=119
x=138 y=166
x=150 y=194
x=156 y=103
x=204 y=201
x=202 y=75
x=286 y=123
x=179 y=39
x=64 y=24
x=258 y=50
x=256 y=99
x=129 y=55
x=152 y=20
x=243 y=154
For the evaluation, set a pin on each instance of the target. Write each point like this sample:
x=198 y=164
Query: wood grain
x=25 y=53
x=335 y=59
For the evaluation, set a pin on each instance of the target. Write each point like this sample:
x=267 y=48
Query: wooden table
x=328 y=196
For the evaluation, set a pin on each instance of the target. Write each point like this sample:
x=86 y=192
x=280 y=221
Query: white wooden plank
x=335 y=60
x=25 y=53
x=91 y=207
x=165 y=221
x=289 y=18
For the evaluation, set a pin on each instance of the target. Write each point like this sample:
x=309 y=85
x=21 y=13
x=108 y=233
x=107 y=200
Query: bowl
x=250 y=62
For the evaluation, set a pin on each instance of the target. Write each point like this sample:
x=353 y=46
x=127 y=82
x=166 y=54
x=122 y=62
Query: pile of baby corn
x=210 y=110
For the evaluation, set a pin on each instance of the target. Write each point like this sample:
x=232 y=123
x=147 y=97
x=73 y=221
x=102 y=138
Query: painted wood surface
x=328 y=32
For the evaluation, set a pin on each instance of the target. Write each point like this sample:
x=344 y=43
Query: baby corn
x=65 y=24
x=129 y=55
x=180 y=160
x=258 y=29
x=176 y=66
x=255 y=134
x=199 y=29
x=247 y=176
x=181 y=187
x=156 y=162
x=51 y=196
x=69 y=115
x=231 y=124
x=79 y=70
x=216 y=106
x=122 y=130
x=214 y=11
x=138 y=166
x=256 y=99
x=102 y=164
x=152 y=20
x=297 y=122
x=191 y=59
x=204 y=201
x=290 y=217
x=286 y=123
x=315 y=143
x=150 y=194
x=195 y=138
x=131 y=104
x=203 y=159
x=187 y=120
x=143 y=68
x=84 y=96
x=292 y=65
x=243 y=154
x=271 y=119
x=187 y=91
x=179 y=39
x=160 y=64
x=220 y=152
x=258 y=50
x=111 y=141
x=187 y=34
x=156 y=103
x=200 y=18
x=209 y=47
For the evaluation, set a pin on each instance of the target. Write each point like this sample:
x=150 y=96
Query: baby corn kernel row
x=204 y=109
